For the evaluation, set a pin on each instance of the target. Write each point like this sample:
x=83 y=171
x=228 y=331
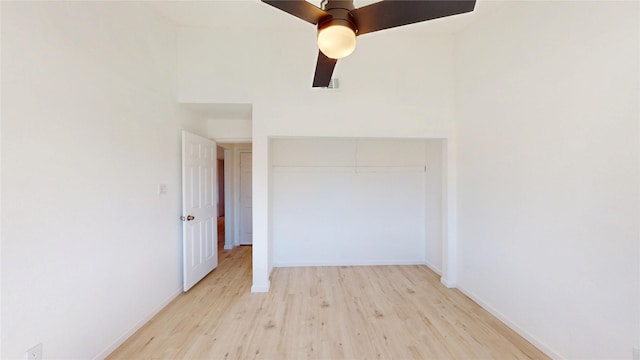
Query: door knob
x=188 y=218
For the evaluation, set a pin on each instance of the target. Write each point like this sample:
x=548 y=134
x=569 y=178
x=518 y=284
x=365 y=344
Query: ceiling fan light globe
x=336 y=41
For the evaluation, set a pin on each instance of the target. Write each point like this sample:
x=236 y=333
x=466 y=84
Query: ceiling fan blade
x=392 y=13
x=300 y=9
x=324 y=70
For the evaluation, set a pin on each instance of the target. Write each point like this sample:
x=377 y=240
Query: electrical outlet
x=636 y=353
x=35 y=353
x=162 y=189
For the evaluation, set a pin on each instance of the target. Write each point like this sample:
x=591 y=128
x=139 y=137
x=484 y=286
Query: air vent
x=334 y=84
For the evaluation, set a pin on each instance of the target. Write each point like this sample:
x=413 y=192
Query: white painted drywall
x=348 y=202
x=548 y=173
x=227 y=131
x=90 y=127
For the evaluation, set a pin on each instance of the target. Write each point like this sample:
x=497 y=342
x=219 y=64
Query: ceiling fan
x=339 y=22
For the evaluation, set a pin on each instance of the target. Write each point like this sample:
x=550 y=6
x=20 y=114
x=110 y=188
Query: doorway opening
x=235 y=222
x=221 y=199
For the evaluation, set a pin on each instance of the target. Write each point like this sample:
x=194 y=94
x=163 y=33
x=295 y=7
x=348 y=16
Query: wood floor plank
x=385 y=312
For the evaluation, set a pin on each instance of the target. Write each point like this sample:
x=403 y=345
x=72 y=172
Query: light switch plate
x=35 y=353
x=162 y=189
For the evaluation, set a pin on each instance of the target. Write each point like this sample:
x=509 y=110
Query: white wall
x=434 y=207
x=396 y=85
x=90 y=127
x=348 y=201
x=548 y=173
x=225 y=130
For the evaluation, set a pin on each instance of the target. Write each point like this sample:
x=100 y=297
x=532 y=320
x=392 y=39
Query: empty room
x=215 y=182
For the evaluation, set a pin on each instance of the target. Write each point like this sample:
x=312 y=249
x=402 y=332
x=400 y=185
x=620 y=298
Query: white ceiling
x=255 y=15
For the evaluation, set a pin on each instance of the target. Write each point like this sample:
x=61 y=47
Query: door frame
x=229 y=206
x=238 y=183
x=232 y=189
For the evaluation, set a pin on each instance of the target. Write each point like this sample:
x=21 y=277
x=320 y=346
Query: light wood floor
x=387 y=312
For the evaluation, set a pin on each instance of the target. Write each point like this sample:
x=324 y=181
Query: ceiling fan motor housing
x=340 y=14
x=327 y=5
x=338 y=21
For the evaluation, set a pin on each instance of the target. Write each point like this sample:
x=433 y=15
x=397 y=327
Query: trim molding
x=433 y=268
x=233 y=140
x=515 y=327
x=111 y=348
x=349 y=263
x=236 y=192
x=448 y=284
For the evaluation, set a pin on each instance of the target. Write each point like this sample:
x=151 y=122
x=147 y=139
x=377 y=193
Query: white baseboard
x=433 y=268
x=228 y=247
x=261 y=288
x=348 y=263
x=136 y=327
x=448 y=284
x=515 y=327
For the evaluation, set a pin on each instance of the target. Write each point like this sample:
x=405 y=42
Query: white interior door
x=246 y=216
x=199 y=212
